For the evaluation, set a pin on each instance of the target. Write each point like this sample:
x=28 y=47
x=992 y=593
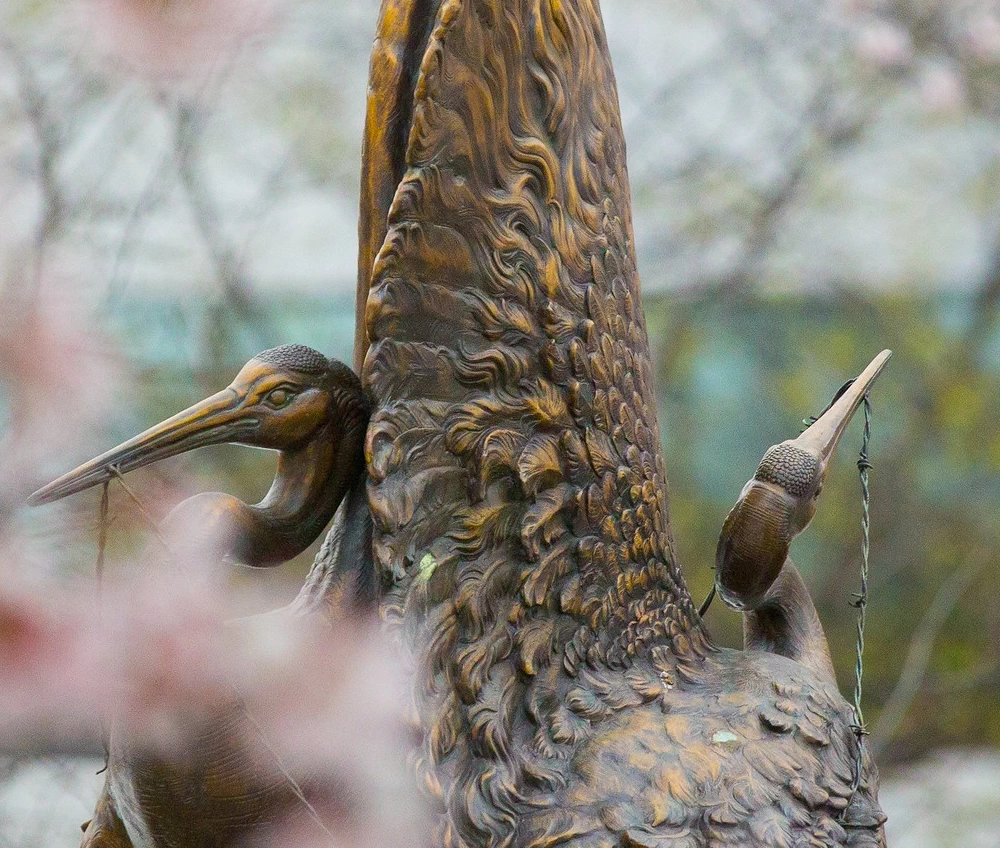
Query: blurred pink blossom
x=983 y=37
x=328 y=688
x=885 y=45
x=942 y=89
x=354 y=824
x=50 y=685
x=155 y=658
x=343 y=729
x=148 y=650
x=60 y=378
x=176 y=39
x=168 y=664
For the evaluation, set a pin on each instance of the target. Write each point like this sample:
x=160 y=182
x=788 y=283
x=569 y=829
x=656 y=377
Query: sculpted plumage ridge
x=567 y=693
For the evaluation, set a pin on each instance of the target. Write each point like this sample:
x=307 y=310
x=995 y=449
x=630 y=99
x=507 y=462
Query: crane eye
x=277 y=398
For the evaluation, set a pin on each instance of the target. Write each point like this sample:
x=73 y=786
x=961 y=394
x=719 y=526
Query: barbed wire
x=860 y=601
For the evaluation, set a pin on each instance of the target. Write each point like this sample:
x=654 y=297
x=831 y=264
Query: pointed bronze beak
x=823 y=435
x=780 y=500
x=213 y=421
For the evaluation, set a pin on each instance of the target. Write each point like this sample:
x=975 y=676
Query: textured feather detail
x=539 y=465
x=565 y=691
x=535 y=643
x=542 y=576
x=537 y=528
x=696 y=764
x=491 y=716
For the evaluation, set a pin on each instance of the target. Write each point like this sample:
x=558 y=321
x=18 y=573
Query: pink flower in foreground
x=149 y=651
x=164 y=635
x=297 y=699
x=983 y=38
x=177 y=38
x=51 y=688
x=886 y=46
x=942 y=89
x=342 y=733
x=60 y=377
x=349 y=822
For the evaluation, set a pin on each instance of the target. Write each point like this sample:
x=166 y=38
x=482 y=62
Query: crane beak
x=757 y=533
x=215 y=420
x=823 y=435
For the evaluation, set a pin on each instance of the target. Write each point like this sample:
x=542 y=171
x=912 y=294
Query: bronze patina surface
x=290 y=399
x=567 y=692
x=779 y=501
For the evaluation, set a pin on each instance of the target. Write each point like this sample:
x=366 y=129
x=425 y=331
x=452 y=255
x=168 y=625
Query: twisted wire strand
x=806 y=423
x=146 y=516
x=102 y=544
x=102 y=535
x=860 y=601
x=293 y=784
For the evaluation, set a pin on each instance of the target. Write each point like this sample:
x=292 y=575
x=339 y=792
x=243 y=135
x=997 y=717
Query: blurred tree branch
x=921 y=646
x=47 y=150
x=188 y=125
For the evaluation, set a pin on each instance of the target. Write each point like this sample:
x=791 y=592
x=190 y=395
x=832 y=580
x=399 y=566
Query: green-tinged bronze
x=779 y=501
x=291 y=399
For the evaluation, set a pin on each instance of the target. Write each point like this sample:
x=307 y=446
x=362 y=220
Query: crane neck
x=310 y=483
x=342 y=581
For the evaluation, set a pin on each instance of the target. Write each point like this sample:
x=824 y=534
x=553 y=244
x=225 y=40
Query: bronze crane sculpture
x=752 y=570
x=567 y=692
x=312 y=411
x=291 y=399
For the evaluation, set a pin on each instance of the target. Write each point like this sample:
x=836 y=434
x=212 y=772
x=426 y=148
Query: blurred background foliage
x=812 y=182
x=739 y=376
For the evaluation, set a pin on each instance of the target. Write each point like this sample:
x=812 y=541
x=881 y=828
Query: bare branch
x=33 y=105
x=228 y=268
x=921 y=646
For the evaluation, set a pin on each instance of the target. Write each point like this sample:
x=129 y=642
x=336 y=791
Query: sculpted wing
x=515 y=437
x=400 y=41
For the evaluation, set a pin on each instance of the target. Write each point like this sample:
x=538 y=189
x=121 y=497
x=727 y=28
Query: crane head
x=278 y=400
x=779 y=501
